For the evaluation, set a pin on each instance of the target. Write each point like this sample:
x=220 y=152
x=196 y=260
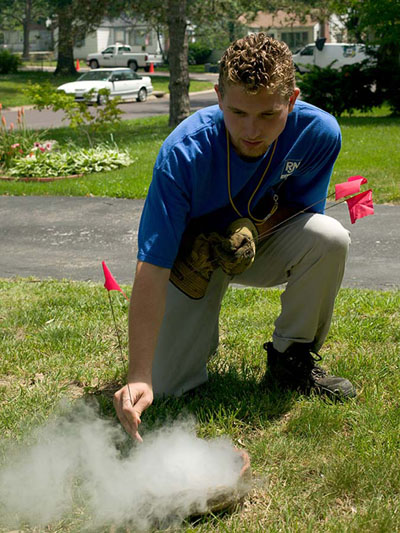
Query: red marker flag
x=360 y=205
x=351 y=186
x=110 y=283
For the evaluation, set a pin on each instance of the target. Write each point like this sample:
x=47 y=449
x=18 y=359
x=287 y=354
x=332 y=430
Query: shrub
x=46 y=163
x=387 y=74
x=199 y=53
x=45 y=96
x=9 y=62
x=336 y=91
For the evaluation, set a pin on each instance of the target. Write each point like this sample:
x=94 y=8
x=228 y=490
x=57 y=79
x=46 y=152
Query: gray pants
x=307 y=254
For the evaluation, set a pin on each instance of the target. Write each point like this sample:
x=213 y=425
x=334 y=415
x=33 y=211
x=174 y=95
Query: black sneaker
x=296 y=369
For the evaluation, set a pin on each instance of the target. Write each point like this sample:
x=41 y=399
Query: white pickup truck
x=121 y=55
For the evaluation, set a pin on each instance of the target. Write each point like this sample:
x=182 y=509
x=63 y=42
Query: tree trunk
x=179 y=104
x=26 y=24
x=65 y=58
x=322 y=28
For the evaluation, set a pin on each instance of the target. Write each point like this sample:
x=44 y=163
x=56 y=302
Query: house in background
x=40 y=39
x=287 y=27
x=138 y=34
x=293 y=31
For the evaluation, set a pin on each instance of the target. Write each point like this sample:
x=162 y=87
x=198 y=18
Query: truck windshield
x=95 y=75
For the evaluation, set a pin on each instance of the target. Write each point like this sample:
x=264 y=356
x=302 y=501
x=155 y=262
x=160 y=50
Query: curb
x=54 y=178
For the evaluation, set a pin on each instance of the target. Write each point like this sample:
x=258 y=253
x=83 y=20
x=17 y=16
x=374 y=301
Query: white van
x=341 y=53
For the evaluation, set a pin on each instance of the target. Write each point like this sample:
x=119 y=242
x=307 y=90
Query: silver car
x=121 y=82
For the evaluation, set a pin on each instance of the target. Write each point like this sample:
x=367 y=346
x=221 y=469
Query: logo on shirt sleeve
x=290 y=166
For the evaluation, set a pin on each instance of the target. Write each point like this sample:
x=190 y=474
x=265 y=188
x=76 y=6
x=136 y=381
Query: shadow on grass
x=229 y=399
x=372 y=122
x=37 y=76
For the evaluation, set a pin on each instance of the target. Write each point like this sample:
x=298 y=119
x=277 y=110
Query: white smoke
x=76 y=460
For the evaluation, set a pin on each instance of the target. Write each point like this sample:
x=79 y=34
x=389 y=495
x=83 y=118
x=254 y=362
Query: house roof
x=280 y=19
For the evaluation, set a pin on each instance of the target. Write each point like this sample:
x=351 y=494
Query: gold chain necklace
x=275 y=206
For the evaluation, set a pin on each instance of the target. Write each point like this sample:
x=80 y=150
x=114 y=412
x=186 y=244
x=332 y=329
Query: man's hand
x=130 y=402
x=235 y=252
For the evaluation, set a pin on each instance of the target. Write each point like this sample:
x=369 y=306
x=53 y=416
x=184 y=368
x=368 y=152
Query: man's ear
x=293 y=98
x=216 y=88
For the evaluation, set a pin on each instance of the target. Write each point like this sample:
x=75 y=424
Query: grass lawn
x=12 y=85
x=318 y=467
x=370 y=148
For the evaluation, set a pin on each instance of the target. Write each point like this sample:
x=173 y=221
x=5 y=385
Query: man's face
x=254 y=121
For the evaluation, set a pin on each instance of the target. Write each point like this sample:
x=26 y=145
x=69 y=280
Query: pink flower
x=11 y=126
x=42 y=149
x=3 y=121
x=36 y=144
x=15 y=145
x=1 y=106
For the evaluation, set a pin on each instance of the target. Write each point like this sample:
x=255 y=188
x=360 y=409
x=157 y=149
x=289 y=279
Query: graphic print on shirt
x=290 y=166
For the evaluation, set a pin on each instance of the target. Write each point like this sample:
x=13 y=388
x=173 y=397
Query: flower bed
x=25 y=155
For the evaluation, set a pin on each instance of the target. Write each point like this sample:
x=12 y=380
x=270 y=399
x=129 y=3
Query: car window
x=124 y=75
x=95 y=75
x=125 y=49
x=109 y=50
x=307 y=51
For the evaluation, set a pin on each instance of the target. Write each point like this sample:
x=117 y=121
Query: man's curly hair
x=258 y=61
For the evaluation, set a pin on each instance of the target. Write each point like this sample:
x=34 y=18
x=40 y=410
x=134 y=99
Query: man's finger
x=127 y=415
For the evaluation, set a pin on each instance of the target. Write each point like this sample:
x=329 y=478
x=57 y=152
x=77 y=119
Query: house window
x=295 y=39
x=80 y=42
x=119 y=35
x=141 y=37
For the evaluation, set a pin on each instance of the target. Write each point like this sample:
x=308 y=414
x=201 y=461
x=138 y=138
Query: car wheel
x=133 y=65
x=102 y=99
x=142 y=95
x=94 y=63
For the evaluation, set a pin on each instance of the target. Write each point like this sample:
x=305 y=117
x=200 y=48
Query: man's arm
x=147 y=305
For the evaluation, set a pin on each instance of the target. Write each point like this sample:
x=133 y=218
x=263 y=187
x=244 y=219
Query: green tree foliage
x=378 y=23
x=219 y=15
x=15 y=14
x=375 y=23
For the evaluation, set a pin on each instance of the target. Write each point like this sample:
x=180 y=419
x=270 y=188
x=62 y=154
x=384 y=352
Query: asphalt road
x=67 y=237
x=153 y=106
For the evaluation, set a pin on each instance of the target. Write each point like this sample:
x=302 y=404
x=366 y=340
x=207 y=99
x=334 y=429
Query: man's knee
x=328 y=234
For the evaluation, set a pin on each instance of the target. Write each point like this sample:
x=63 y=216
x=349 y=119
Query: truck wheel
x=133 y=65
x=94 y=63
x=142 y=95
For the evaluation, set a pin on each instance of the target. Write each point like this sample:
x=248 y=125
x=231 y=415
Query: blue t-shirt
x=190 y=176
